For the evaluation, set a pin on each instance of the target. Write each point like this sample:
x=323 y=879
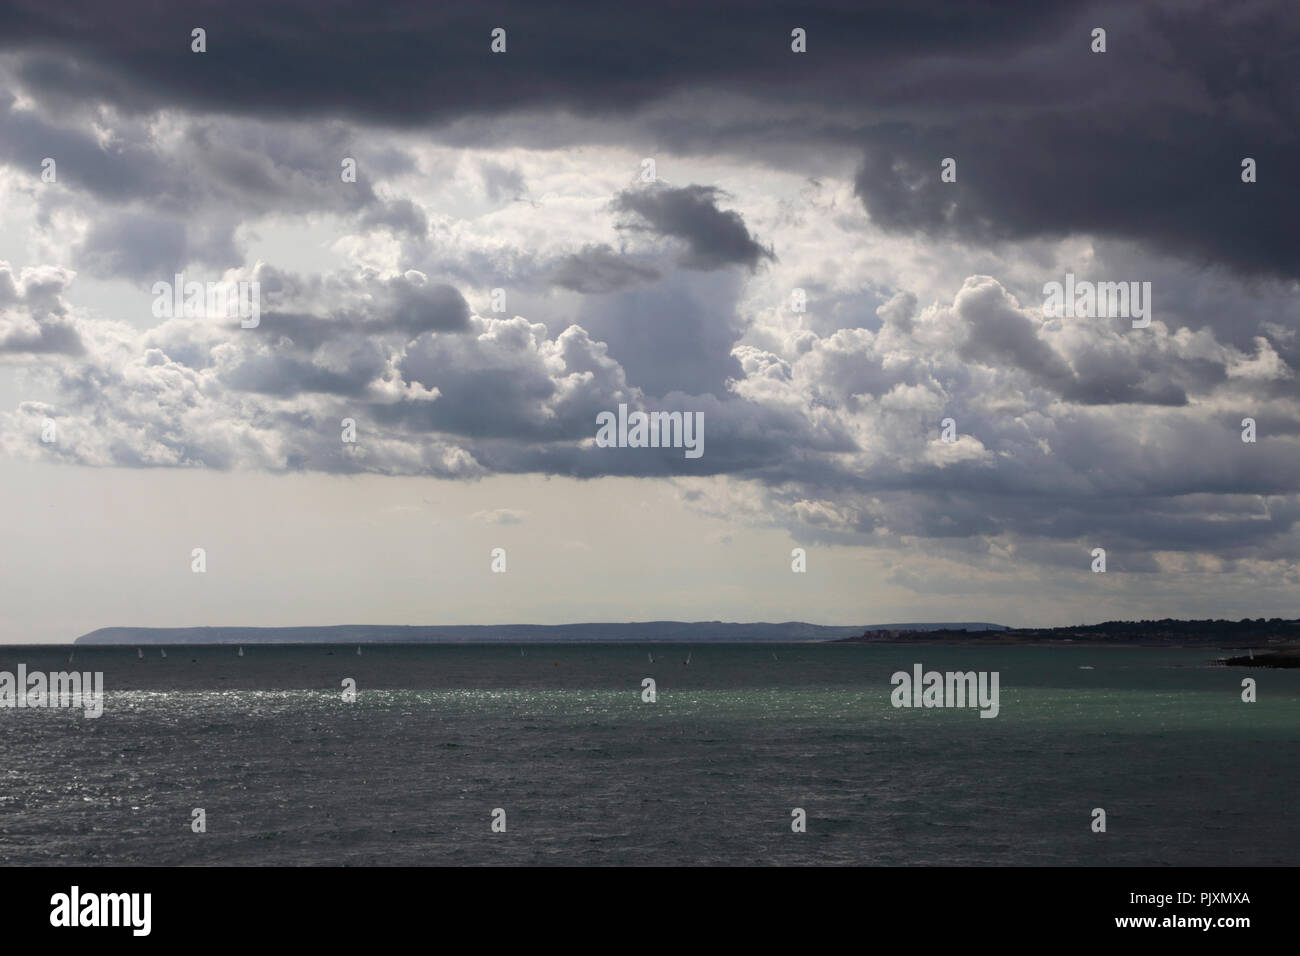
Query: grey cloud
x=500 y=181
x=344 y=352
x=509 y=381
x=1050 y=139
x=273 y=371
x=599 y=269
x=714 y=238
x=999 y=333
x=160 y=205
x=676 y=335
x=398 y=215
x=145 y=247
x=405 y=305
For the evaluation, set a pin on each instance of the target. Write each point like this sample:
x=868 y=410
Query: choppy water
x=439 y=736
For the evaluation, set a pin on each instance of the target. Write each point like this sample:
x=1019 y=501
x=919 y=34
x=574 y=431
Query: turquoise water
x=588 y=773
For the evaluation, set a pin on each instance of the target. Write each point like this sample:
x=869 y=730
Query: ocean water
x=439 y=736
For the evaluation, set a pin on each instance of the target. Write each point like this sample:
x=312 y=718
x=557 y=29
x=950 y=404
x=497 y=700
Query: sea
x=553 y=754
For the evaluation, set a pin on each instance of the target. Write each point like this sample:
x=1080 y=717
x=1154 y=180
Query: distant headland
x=644 y=631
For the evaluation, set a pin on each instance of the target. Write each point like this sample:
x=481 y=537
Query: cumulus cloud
x=34 y=318
x=843 y=432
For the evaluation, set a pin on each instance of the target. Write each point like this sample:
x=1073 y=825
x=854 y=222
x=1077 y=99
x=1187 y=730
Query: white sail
x=358 y=650
x=164 y=652
x=651 y=656
x=241 y=652
x=139 y=654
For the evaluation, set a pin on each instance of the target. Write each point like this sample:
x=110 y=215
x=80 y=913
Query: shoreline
x=1283 y=656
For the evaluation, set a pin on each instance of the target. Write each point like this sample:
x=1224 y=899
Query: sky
x=834 y=259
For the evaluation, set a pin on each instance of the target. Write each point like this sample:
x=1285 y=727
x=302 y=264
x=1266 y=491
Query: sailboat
x=358 y=650
x=241 y=652
x=1251 y=653
x=164 y=652
x=521 y=652
x=775 y=658
x=651 y=656
x=139 y=654
x=688 y=659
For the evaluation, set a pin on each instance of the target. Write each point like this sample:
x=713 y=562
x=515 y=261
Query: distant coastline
x=1257 y=643
x=641 y=632
x=1278 y=639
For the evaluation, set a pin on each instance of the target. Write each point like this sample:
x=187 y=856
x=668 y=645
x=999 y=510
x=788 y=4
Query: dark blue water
x=587 y=773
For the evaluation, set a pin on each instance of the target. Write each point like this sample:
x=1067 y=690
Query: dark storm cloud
x=412 y=63
x=1143 y=141
x=1171 y=180
x=252 y=168
x=714 y=238
x=128 y=171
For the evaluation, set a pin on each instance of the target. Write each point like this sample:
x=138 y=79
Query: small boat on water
x=164 y=652
x=1086 y=667
x=358 y=650
x=650 y=655
x=688 y=659
x=139 y=654
x=241 y=652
